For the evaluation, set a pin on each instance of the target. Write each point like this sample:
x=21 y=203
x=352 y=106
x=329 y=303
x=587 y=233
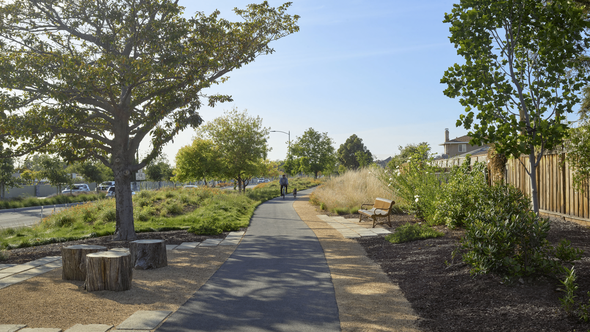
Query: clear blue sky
x=370 y=68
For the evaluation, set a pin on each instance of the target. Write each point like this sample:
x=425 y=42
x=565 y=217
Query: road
x=24 y=217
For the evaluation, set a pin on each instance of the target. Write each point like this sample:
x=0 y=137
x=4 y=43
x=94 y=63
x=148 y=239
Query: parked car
x=191 y=186
x=111 y=192
x=78 y=187
x=105 y=185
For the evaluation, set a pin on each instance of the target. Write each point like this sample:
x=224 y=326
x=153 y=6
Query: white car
x=78 y=187
x=111 y=192
x=105 y=185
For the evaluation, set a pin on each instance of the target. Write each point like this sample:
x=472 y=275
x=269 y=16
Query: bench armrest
x=368 y=204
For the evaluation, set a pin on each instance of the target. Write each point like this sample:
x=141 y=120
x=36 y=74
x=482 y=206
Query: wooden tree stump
x=108 y=270
x=148 y=254
x=73 y=259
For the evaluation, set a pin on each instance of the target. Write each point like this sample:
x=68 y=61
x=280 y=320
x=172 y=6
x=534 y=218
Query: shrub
x=109 y=215
x=63 y=220
x=411 y=232
x=460 y=195
x=513 y=245
x=416 y=183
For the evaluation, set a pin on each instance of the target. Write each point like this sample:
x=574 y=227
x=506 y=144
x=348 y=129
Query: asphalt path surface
x=277 y=279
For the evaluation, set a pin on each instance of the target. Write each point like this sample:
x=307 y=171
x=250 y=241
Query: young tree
x=159 y=170
x=521 y=73
x=7 y=179
x=199 y=161
x=54 y=170
x=94 y=78
x=314 y=153
x=410 y=150
x=241 y=141
x=93 y=171
x=353 y=152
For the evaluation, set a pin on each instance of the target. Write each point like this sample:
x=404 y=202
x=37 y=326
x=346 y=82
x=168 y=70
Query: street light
x=284 y=132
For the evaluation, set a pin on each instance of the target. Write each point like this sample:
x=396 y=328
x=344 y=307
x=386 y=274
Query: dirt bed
x=448 y=298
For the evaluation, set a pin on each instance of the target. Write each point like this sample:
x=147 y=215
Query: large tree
x=353 y=153
x=93 y=78
x=313 y=152
x=521 y=73
x=54 y=170
x=199 y=161
x=241 y=142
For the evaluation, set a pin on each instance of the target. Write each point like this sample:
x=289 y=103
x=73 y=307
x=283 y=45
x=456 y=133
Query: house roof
x=458 y=140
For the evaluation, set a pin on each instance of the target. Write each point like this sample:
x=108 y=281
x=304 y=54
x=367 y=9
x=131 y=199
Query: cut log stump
x=73 y=259
x=148 y=254
x=108 y=270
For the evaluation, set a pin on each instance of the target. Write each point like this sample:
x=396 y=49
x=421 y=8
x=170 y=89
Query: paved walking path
x=276 y=280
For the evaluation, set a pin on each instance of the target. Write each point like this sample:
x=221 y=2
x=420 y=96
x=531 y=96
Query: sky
x=370 y=68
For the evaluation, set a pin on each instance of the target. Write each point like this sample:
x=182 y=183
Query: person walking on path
x=284 y=182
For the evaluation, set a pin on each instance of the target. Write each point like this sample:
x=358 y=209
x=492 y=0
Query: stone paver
x=210 y=243
x=89 y=328
x=5 y=266
x=11 y=328
x=144 y=320
x=187 y=246
x=26 y=329
x=350 y=228
x=171 y=246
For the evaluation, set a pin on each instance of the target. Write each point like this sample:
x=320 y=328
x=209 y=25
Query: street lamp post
x=284 y=132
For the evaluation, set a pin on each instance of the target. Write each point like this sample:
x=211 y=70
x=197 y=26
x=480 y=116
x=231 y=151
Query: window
x=462 y=147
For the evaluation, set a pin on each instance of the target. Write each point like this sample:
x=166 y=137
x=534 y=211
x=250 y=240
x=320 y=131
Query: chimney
x=446 y=135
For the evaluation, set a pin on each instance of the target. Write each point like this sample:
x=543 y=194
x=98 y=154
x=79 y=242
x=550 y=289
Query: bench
x=381 y=208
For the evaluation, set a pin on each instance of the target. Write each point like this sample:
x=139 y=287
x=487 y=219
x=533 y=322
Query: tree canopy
x=199 y=161
x=313 y=152
x=7 y=179
x=354 y=154
x=521 y=73
x=92 y=79
x=241 y=142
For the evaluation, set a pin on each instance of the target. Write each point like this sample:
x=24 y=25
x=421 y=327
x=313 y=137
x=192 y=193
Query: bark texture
x=148 y=254
x=108 y=270
x=74 y=260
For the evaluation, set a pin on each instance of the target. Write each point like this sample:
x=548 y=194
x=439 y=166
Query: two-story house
x=457 y=146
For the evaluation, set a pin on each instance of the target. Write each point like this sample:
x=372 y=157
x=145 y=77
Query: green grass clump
x=411 y=232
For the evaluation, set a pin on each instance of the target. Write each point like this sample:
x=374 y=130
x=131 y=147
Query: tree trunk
x=74 y=260
x=148 y=254
x=125 y=230
x=108 y=270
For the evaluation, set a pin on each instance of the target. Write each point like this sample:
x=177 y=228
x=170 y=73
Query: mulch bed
x=448 y=298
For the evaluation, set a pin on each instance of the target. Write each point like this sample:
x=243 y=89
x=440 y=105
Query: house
x=457 y=146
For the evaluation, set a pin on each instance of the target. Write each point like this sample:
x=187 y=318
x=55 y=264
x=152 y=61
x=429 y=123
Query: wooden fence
x=557 y=195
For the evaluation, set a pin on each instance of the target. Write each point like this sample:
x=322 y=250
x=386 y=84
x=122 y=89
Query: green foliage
x=460 y=195
x=313 y=153
x=158 y=170
x=353 y=153
x=415 y=182
x=199 y=161
x=569 y=300
x=241 y=144
x=405 y=153
x=521 y=73
x=8 y=181
x=514 y=244
x=411 y=232
x=578 y=154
